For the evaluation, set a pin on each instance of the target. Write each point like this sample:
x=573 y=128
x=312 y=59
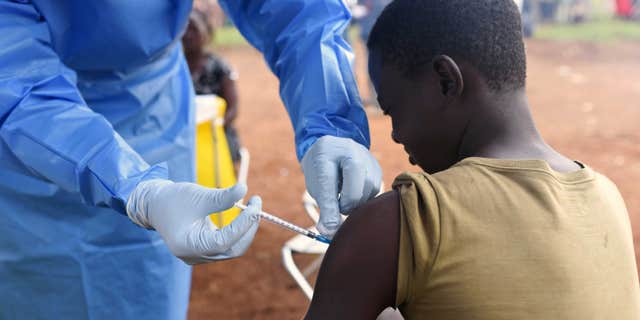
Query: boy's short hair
x=485 y=33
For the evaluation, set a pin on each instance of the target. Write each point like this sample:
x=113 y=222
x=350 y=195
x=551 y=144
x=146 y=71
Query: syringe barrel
x=278 y=221
x=287 y=225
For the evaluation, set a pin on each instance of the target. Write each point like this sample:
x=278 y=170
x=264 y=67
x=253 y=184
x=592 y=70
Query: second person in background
x=211 y=74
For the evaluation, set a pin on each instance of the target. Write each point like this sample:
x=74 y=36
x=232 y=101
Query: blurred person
x=373 y=10
x=97 y=126
x=579 y=11
x=211 y=10
x=499 y=225
x=528 y=17
x=636 y=10
x=211 y=74
x=572 y=11
x=624 y=8
x=548 y=9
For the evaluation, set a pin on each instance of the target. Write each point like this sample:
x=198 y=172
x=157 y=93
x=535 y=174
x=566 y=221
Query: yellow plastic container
x=214 y=167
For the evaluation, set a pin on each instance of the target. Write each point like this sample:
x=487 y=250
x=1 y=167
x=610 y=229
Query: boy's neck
x=502 y=127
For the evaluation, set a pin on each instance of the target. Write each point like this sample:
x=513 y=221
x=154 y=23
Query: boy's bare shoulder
x=357 y=279
x=383 y=204
x=378 y=215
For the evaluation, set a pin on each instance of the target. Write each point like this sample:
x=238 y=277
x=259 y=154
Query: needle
x=288 y=225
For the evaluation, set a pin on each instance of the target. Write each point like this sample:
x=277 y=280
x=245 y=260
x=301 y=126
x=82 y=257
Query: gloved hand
x=179 y=212
x=390 y=314
x=339 y=166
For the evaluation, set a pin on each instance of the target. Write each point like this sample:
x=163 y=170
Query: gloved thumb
x=330 y=218
x=242 y=228
x=354 y=176
x=321 y=176
x=390 y=314
x=217 y=200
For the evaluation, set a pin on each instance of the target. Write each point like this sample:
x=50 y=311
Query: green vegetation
x=600 y=30
x=228 y=36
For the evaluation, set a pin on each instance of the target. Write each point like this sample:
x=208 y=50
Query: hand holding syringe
x=287 y=225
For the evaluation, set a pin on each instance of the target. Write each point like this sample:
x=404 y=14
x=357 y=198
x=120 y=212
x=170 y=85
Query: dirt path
x=585 y=99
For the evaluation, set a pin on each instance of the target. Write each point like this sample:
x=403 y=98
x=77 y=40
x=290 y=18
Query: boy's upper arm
x=357 y=279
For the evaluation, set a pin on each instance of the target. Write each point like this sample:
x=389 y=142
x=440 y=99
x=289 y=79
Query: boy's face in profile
x=428 y=123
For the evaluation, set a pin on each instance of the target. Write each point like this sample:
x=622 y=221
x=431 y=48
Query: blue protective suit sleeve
x=302 y=43
x=47 y=125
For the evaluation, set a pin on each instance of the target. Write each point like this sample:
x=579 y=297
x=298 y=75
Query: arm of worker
x=358 y=276
x=302 y=43
x=46 y=124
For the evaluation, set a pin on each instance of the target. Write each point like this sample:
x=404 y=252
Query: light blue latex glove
x=179 y=212
x=340 y=174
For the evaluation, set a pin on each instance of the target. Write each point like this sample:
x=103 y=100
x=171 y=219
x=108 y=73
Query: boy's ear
x=450 y=77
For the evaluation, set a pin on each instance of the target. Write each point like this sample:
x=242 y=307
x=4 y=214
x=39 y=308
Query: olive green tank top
x=501 y=239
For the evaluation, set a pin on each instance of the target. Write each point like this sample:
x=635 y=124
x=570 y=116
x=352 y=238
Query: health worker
x=97 y=132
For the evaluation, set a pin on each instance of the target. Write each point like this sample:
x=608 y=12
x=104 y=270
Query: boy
x=499 y=226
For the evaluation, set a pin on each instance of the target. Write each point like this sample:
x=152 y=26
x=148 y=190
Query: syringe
x=288 y=225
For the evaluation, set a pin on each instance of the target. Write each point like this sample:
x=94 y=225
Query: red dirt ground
x=585 y=99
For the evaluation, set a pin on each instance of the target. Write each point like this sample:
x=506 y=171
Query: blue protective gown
x=95 y=96
x=302 y=43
